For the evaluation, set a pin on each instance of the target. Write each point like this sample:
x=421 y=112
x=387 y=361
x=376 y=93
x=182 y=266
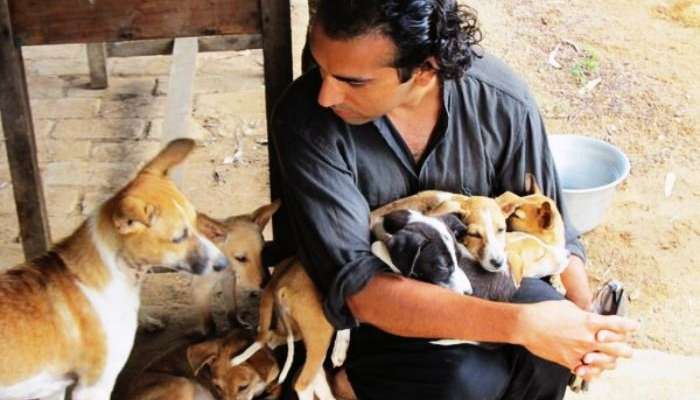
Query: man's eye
x=356 y=83
x=181 y=237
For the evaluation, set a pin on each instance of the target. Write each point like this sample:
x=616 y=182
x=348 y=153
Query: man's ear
x=425 y=73
x=262 y=215
x=211 y=228
x=202 y=354
x=132 y=214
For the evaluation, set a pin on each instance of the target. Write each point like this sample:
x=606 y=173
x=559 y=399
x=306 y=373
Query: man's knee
x=483 y=376
x=533 y=290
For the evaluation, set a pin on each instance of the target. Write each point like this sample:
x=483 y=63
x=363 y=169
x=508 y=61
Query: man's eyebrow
x=351 y=79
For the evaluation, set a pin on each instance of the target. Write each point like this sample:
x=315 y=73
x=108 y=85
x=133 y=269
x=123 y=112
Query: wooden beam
x=157 y=47
x=277 y=54
x=85 y=21
x=20 y=143
x=177 y=122
x=97 y=61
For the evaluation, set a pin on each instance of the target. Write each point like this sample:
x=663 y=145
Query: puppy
x=202 y=371
x=240 y=239
x=70 y=316
x=297 y=303
x=486 y=226
x=422 y=247
x=536 y=241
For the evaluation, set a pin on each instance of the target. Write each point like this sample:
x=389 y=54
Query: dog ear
x=202 y=354
x=132 y=214
x=395 y=221
x=531 y=186
x=455 y=225
x=545 y=215
x=262 y=215
x=508 y=202
x=211 y=228
x=173 y=154
x=265 y=365
x=404 y=248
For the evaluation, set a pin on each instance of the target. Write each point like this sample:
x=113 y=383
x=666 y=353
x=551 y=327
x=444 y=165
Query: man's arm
x=555 y=330
x=575 y=281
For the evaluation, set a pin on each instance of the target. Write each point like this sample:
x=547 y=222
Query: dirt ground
x=646 y=55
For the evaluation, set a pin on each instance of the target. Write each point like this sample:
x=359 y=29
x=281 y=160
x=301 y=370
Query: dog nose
x=496 y=262
x=220 y=264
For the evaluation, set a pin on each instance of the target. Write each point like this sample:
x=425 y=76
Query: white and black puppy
x=423 y=248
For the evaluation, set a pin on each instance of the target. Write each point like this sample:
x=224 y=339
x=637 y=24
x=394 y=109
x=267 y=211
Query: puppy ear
x=211 y=228
x=545 y=215
x=395 y=221
x=202 y=354
x=455 y=225
x=404 y=248
x=132 y=214
x=508 y=202
x=173 y=154
x=265 y=365
x=262 y=215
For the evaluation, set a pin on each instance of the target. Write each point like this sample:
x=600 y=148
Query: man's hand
x=584 y=342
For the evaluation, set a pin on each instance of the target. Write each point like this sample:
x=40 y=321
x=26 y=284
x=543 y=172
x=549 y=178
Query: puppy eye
x=185 y=233
x=476 y=235
x=241 y=258
x=501 y=230
x=243 y=387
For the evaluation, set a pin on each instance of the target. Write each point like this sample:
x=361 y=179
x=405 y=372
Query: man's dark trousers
x=383 y=366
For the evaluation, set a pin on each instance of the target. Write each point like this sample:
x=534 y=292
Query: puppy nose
x=496 y=262
x=220 y=264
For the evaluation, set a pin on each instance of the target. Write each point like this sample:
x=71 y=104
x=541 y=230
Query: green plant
x=585 y=67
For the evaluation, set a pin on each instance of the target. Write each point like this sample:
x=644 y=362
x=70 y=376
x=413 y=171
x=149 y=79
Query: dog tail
x=290 y=348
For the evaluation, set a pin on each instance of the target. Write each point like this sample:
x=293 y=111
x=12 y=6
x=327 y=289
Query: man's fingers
x=600 y=360
x=588 y=372
x=606 y=336
x=616 y=324
x=615 y=349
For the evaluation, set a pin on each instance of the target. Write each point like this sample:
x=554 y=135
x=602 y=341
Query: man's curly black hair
x=420 y=29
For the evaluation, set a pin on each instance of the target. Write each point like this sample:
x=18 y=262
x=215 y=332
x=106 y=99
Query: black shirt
x=332 y=174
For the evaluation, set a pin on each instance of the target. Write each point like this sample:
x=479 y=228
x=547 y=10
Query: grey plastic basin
x=589 y=171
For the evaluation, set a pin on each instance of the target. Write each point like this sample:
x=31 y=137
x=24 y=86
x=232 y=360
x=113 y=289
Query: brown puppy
x=240 y=239
x=70 y=316
x=536 y=241
x=202 y=371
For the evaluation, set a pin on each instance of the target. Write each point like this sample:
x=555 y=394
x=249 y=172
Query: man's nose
x=331 y=93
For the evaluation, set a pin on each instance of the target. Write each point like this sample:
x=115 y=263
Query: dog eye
x=243 y=387
x=182 y=236
x=474 y=235
x=501 y=230
x=241 y=258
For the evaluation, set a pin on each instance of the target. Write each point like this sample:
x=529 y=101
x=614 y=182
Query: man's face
x=359 y=83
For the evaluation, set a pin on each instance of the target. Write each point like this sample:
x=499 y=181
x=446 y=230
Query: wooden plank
x=97 y=61
x=84 y=21
x=20 y=143
x=165 y=46
x=277 y=54
x=178 y=110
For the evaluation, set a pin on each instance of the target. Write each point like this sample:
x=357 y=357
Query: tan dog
x=70 y=316
x=536 y=238
x=203 y=371
x=296 y=300
x=240 y=239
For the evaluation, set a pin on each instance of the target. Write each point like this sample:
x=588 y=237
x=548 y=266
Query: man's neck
x=415 y=120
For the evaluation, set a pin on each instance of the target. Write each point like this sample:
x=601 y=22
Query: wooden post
x=177 y=122
x=20 y=143
x=97 y=61
x=277 y=53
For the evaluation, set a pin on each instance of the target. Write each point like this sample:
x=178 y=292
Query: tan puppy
x=296 y=300
x=203 y=371
x=536 y=243
x=70 y=316
x=240 y=239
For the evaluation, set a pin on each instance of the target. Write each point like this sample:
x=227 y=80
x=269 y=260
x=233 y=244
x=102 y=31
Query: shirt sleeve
x=529 y=153
x=325 y=212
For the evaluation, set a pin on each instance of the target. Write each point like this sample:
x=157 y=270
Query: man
x=400 y=102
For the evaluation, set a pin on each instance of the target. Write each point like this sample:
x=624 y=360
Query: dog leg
x=340 y=347
x=290 y=349
x=316 y=335
x=202 y=287
x=321 y=388
x=243 y=357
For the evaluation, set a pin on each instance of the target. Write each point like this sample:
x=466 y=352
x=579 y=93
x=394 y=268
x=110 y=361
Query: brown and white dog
x=240 y=238
x=536 y=238
x=69 y=316
x=203 y=371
